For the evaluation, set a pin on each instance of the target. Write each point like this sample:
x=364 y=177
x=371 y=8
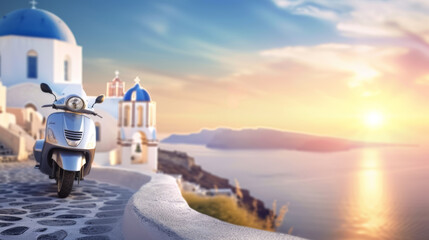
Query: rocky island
x=264 y=138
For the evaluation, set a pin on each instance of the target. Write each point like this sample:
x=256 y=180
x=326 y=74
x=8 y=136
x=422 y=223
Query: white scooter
x=67 y=152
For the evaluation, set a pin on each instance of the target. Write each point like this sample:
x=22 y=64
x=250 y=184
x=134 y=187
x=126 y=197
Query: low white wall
x=158 y=211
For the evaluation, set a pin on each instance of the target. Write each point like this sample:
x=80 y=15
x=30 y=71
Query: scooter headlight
x=75 y=104
x=51 y=136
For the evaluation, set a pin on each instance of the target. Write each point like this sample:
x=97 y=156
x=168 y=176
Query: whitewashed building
x=37 y=47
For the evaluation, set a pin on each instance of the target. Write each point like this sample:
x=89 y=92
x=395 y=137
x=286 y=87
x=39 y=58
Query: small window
x=97 y=131
x=152 y=115
x=140 y=116
x=32 y=64
x=66 y=70
x=127 y=116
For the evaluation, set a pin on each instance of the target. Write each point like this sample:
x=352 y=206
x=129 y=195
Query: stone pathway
x=30 y=208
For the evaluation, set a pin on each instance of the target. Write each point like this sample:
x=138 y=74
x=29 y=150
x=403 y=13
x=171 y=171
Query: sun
x=374 y=119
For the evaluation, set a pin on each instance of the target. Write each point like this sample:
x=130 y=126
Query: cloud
x=158 y=25
x=362 y=62
x=101 y=70
x=387 y=18
x=368 y=18
x=423 y=80
x=286 y=3
x=307 y=8
x=316 y=12
x=390 y=44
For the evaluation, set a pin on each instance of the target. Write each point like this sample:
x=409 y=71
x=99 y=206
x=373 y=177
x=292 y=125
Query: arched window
x=152 y=115
x=140 y=116
x=67 y=69
x=127 y=116
x=97 y=131
x=32 y=64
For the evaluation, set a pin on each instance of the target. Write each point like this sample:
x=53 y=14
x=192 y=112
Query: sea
x=369 y=193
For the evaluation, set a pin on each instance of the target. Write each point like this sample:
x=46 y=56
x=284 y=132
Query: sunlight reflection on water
x=374 y=193
x=368 y=216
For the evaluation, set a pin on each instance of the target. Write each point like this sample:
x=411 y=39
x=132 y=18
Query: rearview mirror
x=45 y=88
x=99 y=99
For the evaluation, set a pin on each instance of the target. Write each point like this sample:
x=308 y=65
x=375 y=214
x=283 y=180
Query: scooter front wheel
x=65 y=181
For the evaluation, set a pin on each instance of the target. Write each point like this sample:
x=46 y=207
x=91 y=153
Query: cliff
x=174 y=162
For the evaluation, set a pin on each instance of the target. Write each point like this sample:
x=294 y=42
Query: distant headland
x=262 y=138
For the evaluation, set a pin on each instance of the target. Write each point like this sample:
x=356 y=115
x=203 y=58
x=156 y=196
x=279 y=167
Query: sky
x=356 y=69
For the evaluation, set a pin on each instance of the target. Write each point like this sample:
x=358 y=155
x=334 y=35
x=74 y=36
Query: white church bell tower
x=137 y=134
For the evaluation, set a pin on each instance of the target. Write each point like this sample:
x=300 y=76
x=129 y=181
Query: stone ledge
x=158 y=211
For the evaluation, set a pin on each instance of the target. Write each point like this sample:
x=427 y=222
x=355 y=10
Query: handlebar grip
x=50 y=105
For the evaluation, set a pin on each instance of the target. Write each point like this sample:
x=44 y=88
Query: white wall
x=61 y=51
x=2 y=98
x=152 y=156
x=151 y=165
x=125 y=155
x=50 y=65
x=6 y=119
x=108 y=131
x=24 y=93
x=110 y=105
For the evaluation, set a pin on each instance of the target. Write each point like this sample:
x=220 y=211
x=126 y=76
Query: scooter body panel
x=70 y=161
x=66 y=133
x=37 y=150
x=67 y=127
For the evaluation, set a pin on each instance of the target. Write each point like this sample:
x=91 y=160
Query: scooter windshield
x=74 y=89
x=72 y=97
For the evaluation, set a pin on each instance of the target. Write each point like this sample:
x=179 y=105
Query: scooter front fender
x=70 y=161
x=37 y=150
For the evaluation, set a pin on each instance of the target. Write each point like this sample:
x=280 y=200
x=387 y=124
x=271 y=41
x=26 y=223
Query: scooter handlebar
x=83 y=111
x=48 y=105
x=91 y=112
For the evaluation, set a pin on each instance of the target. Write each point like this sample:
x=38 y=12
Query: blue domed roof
x=141 y=94
x=35 y=23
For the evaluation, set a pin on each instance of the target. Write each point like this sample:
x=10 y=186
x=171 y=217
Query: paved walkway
x=30 y=208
